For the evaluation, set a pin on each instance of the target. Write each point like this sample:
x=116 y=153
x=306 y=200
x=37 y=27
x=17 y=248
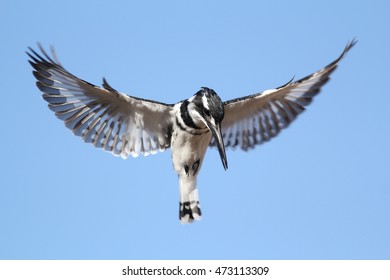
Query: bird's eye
x=207 y=112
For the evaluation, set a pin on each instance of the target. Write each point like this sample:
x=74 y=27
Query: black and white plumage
x=127 y=125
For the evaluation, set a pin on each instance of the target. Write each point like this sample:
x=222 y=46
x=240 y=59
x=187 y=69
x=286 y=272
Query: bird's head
x=210 y=112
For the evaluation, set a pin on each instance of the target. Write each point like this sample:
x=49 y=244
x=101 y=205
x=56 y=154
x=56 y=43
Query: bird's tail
x=189 y=201
x=190 y=209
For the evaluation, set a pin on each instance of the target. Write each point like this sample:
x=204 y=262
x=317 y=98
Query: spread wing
x=108 y=119
x=255 y=119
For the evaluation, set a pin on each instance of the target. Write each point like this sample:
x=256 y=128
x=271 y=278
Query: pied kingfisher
x=126 y=125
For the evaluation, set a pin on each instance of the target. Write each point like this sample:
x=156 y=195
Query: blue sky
x=320 y=190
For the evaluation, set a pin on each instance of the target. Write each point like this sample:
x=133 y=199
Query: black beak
x=216 y=131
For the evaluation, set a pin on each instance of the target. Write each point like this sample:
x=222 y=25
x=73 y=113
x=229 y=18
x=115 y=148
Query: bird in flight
x=127 y=125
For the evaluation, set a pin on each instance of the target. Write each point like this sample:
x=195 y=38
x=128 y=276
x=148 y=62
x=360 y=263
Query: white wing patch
x=115 y=122
x=255 y=119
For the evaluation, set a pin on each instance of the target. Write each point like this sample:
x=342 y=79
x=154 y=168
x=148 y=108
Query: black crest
x=209 y=104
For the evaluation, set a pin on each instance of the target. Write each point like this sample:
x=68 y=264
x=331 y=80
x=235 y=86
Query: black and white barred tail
x=189 y=211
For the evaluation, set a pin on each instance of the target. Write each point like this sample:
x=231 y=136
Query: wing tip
x=44 y=57
x=350 y=44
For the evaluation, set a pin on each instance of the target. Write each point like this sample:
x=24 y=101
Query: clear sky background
x=320 y=190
